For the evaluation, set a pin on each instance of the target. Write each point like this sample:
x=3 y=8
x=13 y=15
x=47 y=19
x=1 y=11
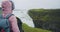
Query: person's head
x=7 y=6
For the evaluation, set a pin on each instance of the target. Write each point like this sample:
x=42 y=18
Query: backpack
x=4 y=23
x=18 y=22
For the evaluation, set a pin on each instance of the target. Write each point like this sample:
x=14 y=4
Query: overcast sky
x=29 y=4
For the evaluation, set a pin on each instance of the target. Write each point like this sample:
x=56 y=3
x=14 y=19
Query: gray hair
x=13 y=6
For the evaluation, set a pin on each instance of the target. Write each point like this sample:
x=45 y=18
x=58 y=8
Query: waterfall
x=25 y=18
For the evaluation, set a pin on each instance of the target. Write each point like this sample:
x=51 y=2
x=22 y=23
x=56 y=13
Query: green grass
x=26 y=28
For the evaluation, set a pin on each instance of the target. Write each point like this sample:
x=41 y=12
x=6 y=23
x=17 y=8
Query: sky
x=31 y=4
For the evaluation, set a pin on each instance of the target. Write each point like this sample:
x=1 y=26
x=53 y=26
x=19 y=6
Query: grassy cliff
x=30 y=29
x=46 y=18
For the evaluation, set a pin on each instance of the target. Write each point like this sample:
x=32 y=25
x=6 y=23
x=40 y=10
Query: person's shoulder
x=12 y=18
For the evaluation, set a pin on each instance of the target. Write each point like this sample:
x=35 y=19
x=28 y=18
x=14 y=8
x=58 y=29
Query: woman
x=7 y=8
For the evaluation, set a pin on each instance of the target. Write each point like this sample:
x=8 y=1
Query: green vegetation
x=46 y=18
x=30 y=29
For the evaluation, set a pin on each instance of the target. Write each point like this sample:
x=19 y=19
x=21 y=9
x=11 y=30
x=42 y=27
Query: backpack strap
x=1 y=16
x=9 y=15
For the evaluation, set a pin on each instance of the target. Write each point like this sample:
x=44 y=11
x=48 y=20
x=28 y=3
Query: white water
x=25 y=18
